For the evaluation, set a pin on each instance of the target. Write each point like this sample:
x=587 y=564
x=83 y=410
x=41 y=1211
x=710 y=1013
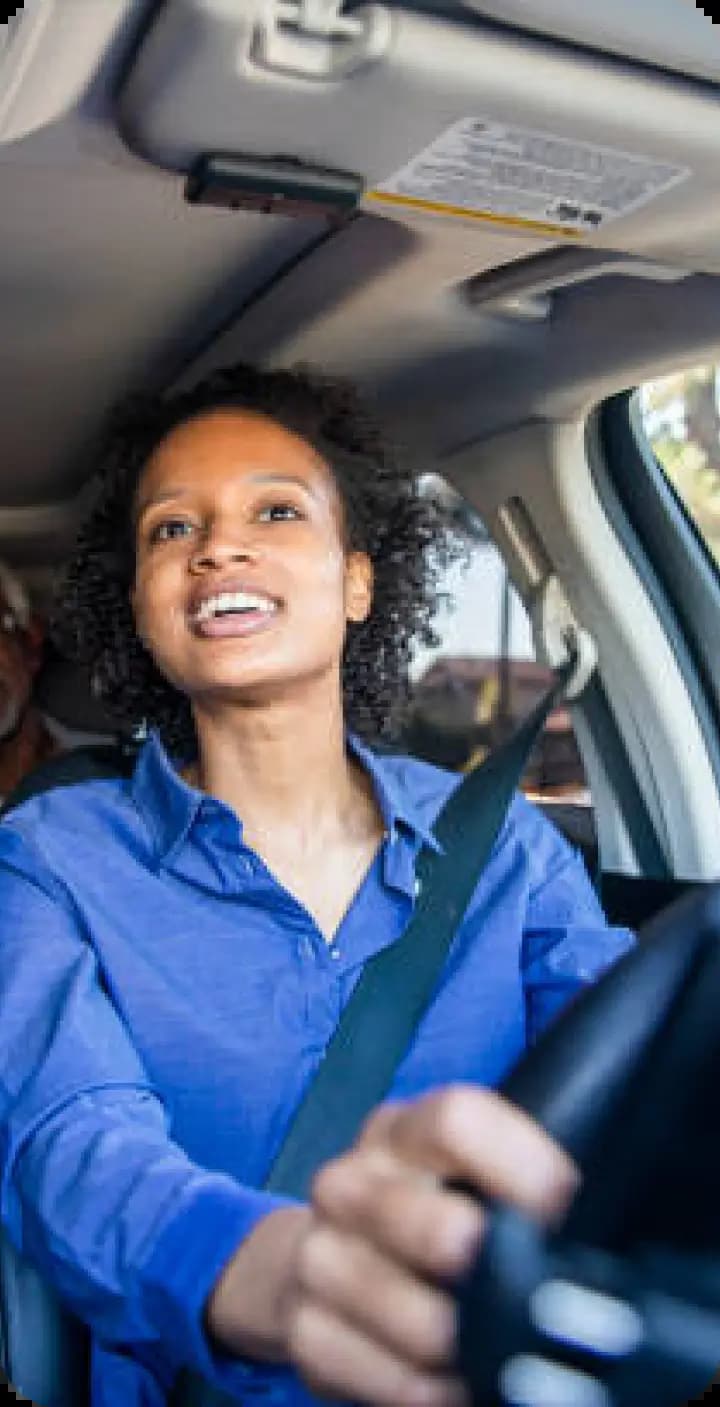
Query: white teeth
x=232 y=601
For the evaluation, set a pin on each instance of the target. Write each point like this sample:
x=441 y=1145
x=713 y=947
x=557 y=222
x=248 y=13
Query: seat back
x=44 y=1351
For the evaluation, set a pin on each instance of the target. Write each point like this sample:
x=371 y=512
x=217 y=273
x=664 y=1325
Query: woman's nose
x=219 y=548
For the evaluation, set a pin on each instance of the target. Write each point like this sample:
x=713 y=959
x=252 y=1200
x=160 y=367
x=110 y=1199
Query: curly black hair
x=385 y=516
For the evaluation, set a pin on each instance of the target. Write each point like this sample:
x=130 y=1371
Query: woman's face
x=243 y=587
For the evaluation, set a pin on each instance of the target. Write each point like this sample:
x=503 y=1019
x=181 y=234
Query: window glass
x=473 y=689
x=681 y=418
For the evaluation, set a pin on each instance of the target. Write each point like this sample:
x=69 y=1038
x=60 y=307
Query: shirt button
x=417 y=886
x=335 y=953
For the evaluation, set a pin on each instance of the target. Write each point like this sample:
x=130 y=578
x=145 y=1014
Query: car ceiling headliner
x=109 y=282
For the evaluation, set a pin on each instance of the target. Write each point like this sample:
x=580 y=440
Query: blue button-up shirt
x=165 y=1002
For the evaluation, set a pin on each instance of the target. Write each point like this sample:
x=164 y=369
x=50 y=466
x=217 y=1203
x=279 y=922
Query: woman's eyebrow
x=272 y=478
x=165 y=496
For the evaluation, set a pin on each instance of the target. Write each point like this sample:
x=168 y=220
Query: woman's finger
x=407 y=1315
x=474 y=1135
x=338 y=1360
x=410 y=1217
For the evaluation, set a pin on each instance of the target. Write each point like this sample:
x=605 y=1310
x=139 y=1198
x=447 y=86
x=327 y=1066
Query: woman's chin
x=252 y=688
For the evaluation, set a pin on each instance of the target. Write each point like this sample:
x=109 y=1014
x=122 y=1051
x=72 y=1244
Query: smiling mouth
x=233 y=613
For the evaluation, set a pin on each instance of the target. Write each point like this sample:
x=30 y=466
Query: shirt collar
x=396 y=802
x=170 y=806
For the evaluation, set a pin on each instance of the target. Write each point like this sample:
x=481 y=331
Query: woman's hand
x=370 y=1317
x=353 y=1290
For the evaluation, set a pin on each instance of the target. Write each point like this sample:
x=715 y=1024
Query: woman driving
x=177 y=946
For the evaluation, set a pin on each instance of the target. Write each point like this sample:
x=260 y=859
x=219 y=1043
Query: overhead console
x=418 y=114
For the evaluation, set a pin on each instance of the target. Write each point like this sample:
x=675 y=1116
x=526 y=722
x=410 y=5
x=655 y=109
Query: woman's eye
x=169 y=529
x=279 y=513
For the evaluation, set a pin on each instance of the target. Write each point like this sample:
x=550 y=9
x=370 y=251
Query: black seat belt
x=396 y=986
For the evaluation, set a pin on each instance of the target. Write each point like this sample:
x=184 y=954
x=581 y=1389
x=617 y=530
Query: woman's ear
x=358 y=587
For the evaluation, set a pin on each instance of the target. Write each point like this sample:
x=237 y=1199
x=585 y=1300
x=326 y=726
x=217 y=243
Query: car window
x=482 y=678
x=680 y=415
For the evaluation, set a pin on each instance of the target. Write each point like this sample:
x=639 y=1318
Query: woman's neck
x=283 y=768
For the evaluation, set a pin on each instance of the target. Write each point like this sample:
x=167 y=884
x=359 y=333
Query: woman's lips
x=234 y=625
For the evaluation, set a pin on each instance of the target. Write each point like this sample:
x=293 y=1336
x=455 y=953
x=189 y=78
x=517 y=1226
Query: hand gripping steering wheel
x=620 y=1305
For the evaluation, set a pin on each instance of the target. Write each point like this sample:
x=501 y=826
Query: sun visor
x=416 y=113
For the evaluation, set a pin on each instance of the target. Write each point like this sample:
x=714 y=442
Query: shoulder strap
x=377 y=1025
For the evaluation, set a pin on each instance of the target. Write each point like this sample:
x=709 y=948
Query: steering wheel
x=620 y=1305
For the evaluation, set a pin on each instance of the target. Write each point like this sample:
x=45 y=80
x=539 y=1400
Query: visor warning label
x=515 y=175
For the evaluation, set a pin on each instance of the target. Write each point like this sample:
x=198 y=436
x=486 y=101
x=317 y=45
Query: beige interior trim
x=56 y=49
x=547 y=467
x=677 y=34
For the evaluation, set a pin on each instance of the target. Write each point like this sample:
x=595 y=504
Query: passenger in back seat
x=176 y=948
x=25 y=739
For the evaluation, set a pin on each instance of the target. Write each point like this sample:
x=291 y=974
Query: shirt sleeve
x=128 y=1230
x=567 y=943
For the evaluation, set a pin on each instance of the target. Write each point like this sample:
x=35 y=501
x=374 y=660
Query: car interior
x=502 y=222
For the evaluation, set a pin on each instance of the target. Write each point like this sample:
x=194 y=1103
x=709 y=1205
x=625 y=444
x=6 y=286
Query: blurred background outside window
x=681 y=418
